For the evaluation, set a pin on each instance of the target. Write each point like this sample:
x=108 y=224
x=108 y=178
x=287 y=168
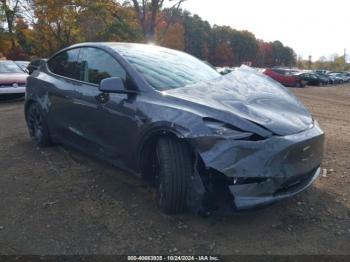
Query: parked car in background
x=224 y=70
x=35 y=64
x=23 y=65
x=286 y=78
x=346 y=76
x=342 y=78
x=324 y=77
x=12 y=79
x=313 y=79
x=169 y=117
x=323 y=72
x=335 y=80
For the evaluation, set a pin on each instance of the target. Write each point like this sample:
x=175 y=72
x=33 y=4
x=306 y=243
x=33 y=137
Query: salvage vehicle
x=170 y=118
x=284 y=77
x=12 y=79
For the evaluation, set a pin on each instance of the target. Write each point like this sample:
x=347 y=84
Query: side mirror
x=112 y=85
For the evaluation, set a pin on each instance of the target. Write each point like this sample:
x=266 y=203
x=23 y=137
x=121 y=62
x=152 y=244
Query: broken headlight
x=223 y=129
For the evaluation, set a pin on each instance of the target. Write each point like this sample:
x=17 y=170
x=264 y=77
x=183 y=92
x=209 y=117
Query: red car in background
x=285 y=77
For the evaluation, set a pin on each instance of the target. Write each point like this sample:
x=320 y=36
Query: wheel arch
x=148 y=146
x=28 y=103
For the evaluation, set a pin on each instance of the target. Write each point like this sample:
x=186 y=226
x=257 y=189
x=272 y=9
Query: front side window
x=97 y=65
x=66 y=64
x=164 y=68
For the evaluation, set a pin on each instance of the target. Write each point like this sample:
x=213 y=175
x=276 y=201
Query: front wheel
x=37 y=126
x=174 y=169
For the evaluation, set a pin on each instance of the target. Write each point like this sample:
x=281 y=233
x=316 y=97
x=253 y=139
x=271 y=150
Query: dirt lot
x=56 y=201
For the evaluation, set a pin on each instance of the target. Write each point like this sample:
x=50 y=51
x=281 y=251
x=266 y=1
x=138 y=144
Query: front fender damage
x=255 y=173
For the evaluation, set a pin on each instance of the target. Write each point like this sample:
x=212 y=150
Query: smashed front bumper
x=262 y=172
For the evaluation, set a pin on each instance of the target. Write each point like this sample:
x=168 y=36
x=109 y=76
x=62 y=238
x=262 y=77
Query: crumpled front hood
x=252 y=96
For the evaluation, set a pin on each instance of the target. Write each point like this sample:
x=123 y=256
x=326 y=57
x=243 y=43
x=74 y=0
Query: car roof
x=113 y=45
x=109 y=44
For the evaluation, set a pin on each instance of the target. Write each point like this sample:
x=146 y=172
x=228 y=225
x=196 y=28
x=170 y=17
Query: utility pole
x=344 y=59
x=345 y=54
x=310 y=62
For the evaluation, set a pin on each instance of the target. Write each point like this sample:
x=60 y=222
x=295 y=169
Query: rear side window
x=97 y=65
x=66 y=64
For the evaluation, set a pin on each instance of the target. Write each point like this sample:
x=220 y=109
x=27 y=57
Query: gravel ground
x=58 y=201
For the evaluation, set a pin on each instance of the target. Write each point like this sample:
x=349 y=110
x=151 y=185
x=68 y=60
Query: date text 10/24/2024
x=173 y=258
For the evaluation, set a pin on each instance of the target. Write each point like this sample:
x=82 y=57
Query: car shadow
x=11 y=98
x=307 y=206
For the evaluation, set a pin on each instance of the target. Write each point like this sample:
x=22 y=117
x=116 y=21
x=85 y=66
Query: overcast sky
x=310 y=27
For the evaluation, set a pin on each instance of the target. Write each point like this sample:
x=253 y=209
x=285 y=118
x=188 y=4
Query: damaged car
x=170 y=118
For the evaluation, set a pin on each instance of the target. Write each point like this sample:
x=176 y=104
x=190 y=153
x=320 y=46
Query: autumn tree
x=197 y=32
x=56 y=24
x=25 y=37
x=264 y=57
x=242 y=43
x=10 y=10
x=223 y=55
x=283 y=55
x=173 y=37
x=148 y=11
x=244 y=46
x=103 y=20
x=42 y=27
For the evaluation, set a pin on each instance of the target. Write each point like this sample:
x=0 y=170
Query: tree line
x=38 y=28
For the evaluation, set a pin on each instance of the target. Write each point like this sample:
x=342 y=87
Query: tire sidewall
x=42 y=136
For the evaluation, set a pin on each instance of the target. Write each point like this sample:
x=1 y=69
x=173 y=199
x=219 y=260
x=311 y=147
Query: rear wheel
x=37 y=126
x=173 y=171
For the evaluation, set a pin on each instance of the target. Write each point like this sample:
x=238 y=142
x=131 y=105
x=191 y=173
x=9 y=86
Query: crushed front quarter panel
x=261 y=172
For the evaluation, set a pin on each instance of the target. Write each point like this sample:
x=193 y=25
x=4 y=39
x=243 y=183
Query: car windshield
x=164 y=68
x=9 y=67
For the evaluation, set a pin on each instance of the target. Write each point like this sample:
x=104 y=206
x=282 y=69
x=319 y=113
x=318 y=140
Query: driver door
x=107 y=121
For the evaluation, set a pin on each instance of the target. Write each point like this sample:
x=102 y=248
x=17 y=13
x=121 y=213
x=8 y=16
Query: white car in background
x=23 y=65
x=12 y=79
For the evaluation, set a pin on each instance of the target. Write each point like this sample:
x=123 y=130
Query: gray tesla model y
x=171 y=118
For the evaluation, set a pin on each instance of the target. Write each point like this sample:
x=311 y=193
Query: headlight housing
x=223 y=129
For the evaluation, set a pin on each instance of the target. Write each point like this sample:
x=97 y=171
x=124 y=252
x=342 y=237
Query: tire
x=37 y=126
x=174 y=169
